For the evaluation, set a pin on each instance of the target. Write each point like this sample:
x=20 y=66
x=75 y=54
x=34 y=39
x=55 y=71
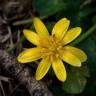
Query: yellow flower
x=53 y=49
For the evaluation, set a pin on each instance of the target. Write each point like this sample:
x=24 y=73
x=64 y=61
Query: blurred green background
x=80 y=81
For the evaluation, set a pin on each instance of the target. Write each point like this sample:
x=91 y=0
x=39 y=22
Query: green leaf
x=87 y=11
x=47 y=8
x=76 y=80
x=89 y=46
x=94 y=19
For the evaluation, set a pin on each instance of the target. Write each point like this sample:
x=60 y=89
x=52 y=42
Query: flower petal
x=43 y=68
x=29 y=55
x=71 y=35
x=31 y=36
x=40 y=27
x=60 y=28
x=59 y=69
x=69 y=58
x=77 y=52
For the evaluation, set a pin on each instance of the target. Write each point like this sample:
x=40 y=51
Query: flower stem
x=84 y=36
x=24 y=22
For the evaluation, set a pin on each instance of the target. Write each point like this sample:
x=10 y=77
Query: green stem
x=24 y=22
x=84 y=36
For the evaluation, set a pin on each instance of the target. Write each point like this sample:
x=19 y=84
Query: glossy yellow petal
x=71 y=35
x=59 y=69
x=42 y=68
x=29 y=55
x=77 y=52
x=31 y=36
x=71 y=59
x=40 y=27
x=60 y=28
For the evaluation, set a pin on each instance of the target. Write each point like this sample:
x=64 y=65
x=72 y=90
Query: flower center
x=51 y=46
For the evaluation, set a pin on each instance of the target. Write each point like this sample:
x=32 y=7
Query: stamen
x=58 y=48
x=57 y=55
